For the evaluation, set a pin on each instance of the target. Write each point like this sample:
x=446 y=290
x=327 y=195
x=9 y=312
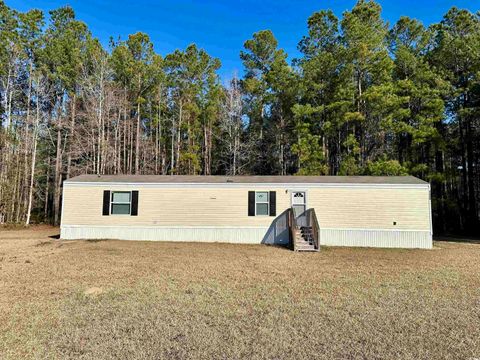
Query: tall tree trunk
x=34 y=158
x=470 y=162
x=172 y=148
x=125 y=133
x=206 y=169
x=161 y=143
x=130 y=129
x=27 y=146
x=210 y=145
x=137 y=141
x=71 y=133
x=58 y=173
x=47 y=192
x=124 y=169
x=179 y=126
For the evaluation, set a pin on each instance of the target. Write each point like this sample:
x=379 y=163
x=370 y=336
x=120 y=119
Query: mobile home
x=303 y=211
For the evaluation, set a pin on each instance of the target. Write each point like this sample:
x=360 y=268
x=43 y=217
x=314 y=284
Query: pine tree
x=269 y=90
x=456 y=53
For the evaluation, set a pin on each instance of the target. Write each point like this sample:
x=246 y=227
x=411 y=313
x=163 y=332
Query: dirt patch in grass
x=151 y=300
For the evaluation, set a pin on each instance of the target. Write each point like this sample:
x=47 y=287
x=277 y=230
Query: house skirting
x=278 y=235
x=237 y=235
x=416 y=239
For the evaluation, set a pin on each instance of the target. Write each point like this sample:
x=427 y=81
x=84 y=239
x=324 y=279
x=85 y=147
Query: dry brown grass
x=141 y=300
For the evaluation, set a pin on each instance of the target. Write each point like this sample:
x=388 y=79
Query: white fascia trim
x=293 y=186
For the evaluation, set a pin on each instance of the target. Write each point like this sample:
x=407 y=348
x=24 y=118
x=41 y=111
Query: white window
x=262 y=203
x=121 y=203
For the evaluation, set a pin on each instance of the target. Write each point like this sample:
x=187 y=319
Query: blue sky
x=222 y=26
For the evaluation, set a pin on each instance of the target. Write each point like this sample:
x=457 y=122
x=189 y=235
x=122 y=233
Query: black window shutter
x=106 y=203
x=251 y=203
x=273 y=203
x=134 y=211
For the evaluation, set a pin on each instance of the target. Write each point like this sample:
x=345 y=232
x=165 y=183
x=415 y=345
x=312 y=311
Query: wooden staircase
x=304 y=239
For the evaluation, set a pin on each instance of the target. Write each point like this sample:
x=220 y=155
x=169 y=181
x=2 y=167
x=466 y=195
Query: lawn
x=153 y=300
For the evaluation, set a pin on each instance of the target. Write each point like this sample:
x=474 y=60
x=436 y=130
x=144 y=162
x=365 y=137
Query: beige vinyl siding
x=356 y=208
x=168 y=207
x=348 y=207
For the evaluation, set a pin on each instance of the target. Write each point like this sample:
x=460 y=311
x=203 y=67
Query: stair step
x=304 y=238
x=303 y=241
x=306 y=249
x=304 y=244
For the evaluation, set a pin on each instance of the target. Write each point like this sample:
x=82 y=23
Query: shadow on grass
x=279 y=247
x=458 y=239
x=56 y=236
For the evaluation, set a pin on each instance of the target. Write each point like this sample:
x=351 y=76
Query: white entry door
x=299 y=205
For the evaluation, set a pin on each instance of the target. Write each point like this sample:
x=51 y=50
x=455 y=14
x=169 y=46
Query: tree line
x=364 y=98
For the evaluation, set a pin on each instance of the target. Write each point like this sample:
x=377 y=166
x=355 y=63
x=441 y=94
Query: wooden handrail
x=313 y=222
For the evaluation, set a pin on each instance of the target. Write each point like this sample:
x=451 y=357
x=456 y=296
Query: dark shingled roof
x=198 y=179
